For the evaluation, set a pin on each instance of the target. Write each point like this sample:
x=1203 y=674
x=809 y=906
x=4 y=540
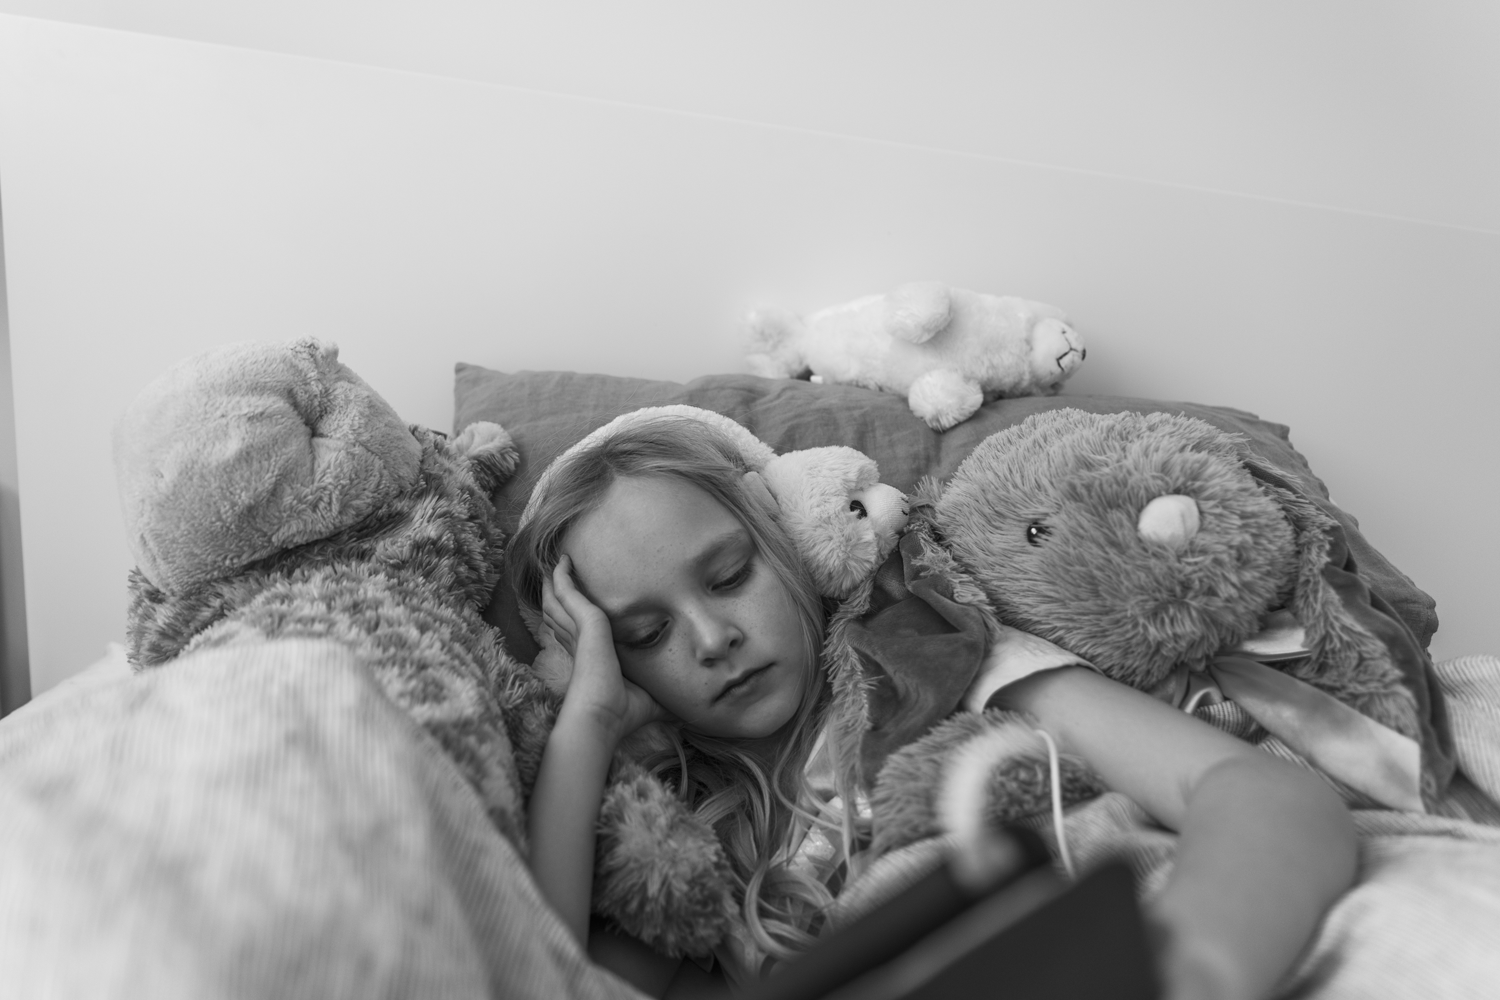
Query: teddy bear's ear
x=1360 y=650
x=1331 y=630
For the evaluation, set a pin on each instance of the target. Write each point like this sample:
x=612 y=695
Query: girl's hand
x=597 y=689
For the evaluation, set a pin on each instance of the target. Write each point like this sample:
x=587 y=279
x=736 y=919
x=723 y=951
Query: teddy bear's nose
x=1171 y=519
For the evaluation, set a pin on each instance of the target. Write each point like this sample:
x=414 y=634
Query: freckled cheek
x=673 y=680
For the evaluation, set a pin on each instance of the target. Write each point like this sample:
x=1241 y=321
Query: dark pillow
x=548 y=411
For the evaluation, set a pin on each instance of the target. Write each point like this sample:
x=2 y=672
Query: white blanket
x=258 y=822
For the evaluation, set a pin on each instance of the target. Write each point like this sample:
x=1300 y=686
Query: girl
x=681 y=600
x=698 y=612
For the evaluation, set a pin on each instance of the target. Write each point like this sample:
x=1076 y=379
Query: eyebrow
x=710 y=551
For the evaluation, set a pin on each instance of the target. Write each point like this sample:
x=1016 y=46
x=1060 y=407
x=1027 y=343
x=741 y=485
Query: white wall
x=1385 y=107
x=1285 y=210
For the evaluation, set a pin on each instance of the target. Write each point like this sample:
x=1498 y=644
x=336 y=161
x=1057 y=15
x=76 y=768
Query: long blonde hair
x=753 y=793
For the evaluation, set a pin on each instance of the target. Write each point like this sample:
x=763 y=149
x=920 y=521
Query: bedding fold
x=259 y=821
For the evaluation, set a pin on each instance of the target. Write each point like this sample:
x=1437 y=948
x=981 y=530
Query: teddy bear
x=1165 y=554
x=269 y=492
x=947 y=350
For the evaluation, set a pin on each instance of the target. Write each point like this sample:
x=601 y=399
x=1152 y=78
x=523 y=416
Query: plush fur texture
x=905 y=783
x=1046 y=527
x=904 y=804
x=1045 y=516
x=403 y=588
x=945 y=349
x=843 y=520
x=633 y=825
x=290 y=445
x=212 y=457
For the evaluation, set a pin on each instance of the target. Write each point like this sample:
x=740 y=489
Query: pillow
x=545 y=412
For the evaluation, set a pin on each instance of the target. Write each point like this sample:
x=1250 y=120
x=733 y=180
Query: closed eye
x=735 y=579
x=645 y=640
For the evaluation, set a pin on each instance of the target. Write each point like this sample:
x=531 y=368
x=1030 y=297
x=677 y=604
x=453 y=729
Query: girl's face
x=699 y=619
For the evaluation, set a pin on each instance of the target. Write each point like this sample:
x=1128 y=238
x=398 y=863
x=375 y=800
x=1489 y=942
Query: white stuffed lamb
x=948 y=350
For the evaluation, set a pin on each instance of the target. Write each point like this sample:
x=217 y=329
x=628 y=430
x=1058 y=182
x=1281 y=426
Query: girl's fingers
x=643 y=707
x=560 y=634
x=557 y=619
x=550 y=603
x=580 y=610
x=563 y=586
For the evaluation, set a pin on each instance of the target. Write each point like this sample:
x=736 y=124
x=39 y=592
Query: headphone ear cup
x=755 y=486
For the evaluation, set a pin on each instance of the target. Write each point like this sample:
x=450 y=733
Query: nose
x=1171 y=519
x=715 y=635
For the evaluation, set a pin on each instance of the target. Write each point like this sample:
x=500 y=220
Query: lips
x=740 y=681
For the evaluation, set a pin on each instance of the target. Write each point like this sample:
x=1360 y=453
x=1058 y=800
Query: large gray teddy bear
x=268 y=492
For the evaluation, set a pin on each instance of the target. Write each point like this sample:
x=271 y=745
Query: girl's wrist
x=580 y=724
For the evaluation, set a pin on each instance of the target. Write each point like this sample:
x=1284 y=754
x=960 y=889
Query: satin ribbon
x=1350 y=747
x=1341 y=742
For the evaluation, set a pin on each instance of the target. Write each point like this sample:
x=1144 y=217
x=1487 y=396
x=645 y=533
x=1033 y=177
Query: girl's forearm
x=561 y=815
x=1265 y=849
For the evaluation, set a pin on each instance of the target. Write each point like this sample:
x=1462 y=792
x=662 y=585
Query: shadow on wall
x=15 y=663
x=15 y=675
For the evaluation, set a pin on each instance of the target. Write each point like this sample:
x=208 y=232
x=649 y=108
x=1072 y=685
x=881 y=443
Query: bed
x=578 y=249
x=262 y=820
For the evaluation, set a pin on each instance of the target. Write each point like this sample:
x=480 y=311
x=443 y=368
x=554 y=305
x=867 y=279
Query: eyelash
x=733 y=580
x=646 y=642
x=736 y=578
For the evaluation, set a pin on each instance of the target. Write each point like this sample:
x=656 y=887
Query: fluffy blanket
x=1424 y=917
x=258 y=821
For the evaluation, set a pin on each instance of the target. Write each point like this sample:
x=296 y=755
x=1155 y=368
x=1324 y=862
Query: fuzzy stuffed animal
x=1165 y=554
x=269 y=492
x=947 y=350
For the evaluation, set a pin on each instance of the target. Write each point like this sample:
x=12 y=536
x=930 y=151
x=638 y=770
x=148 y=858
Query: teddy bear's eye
x=859 y=509
x=1036 y=531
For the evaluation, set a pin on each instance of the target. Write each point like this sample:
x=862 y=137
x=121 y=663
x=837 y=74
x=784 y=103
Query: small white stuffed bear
x=947 y=350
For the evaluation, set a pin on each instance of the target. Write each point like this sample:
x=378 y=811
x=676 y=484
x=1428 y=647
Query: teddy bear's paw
x=660 y=873
x=943 y=397
x=918 y=311
x=922 y=789
x=1056 y=352
x=489 y=447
